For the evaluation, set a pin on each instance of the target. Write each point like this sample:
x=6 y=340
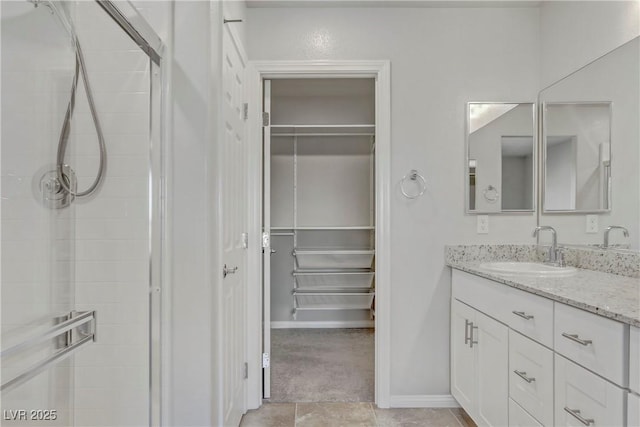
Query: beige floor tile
x=335 y=414
x=422 y=417
x=271 y=415
x=463 y=418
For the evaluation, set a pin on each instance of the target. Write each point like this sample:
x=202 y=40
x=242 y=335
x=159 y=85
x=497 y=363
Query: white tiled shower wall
x=112 y=227
x=37 y=243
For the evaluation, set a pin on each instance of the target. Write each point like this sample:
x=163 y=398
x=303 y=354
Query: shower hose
x=66 y=129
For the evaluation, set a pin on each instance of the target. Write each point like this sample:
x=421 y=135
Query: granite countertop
x=608 y=295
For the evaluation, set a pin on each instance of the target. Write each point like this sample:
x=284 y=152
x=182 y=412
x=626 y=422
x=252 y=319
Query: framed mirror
x=576 y=153
x=500 y=162
x=600 y=102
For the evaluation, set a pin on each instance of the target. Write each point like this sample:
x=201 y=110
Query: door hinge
x=244 y=238
x=266 y=362
x=246 y=370
x=265 y=239
x=265 y=119
x=245 y=110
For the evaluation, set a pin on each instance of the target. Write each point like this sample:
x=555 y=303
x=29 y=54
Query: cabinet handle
x=466 y=331
x=524 y=376
x=575 y=338
x=523 y=315
x=577 y=416
x=471 y=341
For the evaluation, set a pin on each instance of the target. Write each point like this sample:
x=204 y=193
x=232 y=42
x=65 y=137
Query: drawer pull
x=471 y=340
x=466 y=331
x=577 y=416
x=524 y=376
x=523 y=315
x=575 y=338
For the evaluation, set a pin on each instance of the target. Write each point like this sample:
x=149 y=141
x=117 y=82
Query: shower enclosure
x=81 y=216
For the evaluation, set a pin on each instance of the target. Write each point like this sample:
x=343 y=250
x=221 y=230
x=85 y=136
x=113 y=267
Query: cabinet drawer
x=633 y=410
x=518 y=417
x=530 y=315
x=634 y=359
x=531 y=377
x=592 y=341
x=482 y=294
x=583 y=398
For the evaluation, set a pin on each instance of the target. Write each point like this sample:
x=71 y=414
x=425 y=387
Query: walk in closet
x=320 y=197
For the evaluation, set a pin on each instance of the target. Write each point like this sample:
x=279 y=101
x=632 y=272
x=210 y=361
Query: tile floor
x=322 y=365
x=347 y=414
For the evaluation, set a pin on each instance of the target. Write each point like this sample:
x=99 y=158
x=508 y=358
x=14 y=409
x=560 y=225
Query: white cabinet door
x=492 y=376
x=583 y=398
x=633 y=410
x=518 y=417
x=462 y=356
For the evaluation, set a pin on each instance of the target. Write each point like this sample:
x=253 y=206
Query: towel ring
x=491 y=194
x=413 y=175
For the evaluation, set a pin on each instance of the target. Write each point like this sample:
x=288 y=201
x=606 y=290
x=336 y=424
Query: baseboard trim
x=323 y=324
x=423 y=401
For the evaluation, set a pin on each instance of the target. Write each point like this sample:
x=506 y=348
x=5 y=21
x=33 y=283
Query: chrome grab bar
x=83 y=322
x=523 y=315
x=575 y=338
x=523 y=375
x=79 y=319
x=577 y=416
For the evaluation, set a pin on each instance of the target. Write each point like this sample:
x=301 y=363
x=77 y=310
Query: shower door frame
x=128 y=18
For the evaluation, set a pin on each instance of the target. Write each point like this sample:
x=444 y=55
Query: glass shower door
x=77 y=271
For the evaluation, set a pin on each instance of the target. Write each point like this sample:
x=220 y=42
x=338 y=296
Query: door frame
x=381 y=72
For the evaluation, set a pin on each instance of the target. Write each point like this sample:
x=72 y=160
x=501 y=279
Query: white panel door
x=462 y=356
x=492 y=360
x=266 y=249
x=234 y=222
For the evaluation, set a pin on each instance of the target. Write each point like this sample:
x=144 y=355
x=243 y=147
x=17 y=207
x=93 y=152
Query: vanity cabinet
x=520 y=359
x=479 y=349
x=633 y=402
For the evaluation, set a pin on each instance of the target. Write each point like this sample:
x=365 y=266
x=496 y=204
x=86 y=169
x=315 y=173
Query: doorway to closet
x=319 y=220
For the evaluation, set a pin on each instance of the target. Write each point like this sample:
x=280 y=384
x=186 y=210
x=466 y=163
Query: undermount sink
x=527 y=269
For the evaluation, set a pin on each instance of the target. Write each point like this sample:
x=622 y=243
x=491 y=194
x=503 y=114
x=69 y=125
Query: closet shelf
x=323 y=130
x=333 y=301
x=326 y=281
x=327 y=259
x=325 y=227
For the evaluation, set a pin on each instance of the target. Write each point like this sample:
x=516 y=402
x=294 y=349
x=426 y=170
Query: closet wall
x=322 y=202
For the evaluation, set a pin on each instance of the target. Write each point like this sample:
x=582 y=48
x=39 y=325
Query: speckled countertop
x=609 y=295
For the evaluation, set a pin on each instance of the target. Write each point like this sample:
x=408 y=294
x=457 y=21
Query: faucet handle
x=560 y=257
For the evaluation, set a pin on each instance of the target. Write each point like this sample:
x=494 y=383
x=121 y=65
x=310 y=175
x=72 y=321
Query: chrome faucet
x=555 y=255
x=625 y=232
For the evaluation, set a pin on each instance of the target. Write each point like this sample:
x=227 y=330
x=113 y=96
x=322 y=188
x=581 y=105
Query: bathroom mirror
x=593 y=113
x=500 y=161
x=576 y=153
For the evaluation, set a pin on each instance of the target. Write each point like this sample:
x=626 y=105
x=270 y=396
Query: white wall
x=440 y=59
x=574 y=33
x=192 y=352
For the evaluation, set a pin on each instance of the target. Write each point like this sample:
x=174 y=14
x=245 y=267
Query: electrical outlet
x=592 y=224
x=483 y=224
